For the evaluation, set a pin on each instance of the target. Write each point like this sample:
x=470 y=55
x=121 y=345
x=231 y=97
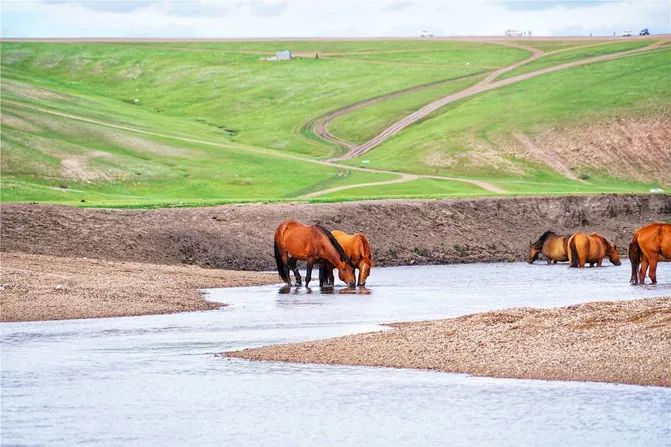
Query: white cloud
x=306 y=18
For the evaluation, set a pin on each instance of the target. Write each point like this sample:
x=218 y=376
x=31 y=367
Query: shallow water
x=154 y=380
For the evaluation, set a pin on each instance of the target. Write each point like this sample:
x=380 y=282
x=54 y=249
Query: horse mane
x=336 y=245
x=605 y=241
x=541 y=240
x=366 y=246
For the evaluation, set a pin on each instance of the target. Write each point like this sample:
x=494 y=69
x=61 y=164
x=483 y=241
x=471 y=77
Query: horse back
x=597 y=247
x=653 y=238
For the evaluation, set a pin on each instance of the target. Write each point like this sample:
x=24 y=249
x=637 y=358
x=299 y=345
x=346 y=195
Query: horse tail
x=573 y=253
x=281 y=269
x=635 y=258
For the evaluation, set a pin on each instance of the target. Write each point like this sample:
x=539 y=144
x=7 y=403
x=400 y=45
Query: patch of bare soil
x=402 y=232
x=622 y=342
x=36 y=287
x=637 y=148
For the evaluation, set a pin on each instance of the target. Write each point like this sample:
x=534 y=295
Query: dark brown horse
x=551 y=245
x=312 y=243
x=648 y=244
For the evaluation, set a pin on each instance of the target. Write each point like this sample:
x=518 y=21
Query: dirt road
x=485 y=85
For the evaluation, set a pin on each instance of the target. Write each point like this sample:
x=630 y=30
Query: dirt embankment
x=623 y=342
x=37 y=287
x=240 y=237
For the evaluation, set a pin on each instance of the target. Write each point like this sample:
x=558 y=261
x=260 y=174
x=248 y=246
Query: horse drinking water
x=592 y=249
x=551 y=245
x=312 y=243
x=357 y=248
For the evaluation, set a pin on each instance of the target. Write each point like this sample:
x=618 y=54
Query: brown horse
x=648 y=243
x=551 y=245
x=312 y=243
x=592 y=249
x=357 y=247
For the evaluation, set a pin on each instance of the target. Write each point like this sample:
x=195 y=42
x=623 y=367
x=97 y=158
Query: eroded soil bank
x=622 y=342
x=37 y=287
x=401 y=232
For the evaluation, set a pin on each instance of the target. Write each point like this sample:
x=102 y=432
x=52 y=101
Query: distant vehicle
x=627 y=33
x=514 y=33
x=644 y=32
x=425 y=35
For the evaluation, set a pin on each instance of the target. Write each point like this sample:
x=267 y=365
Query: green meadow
x=180 y=124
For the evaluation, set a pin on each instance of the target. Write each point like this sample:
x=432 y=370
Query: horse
x=648 y=243
x=312 y=243
x=551 y=245
x=592 y=249
x=357 y=247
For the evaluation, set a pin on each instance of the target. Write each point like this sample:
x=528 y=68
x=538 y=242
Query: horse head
x=613 y=254
x=534 y=251
x=346 y=273
x=366 y=261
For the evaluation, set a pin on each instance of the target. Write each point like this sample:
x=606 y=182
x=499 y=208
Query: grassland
x=169 y=124
x=469 y=138
x=571 y=54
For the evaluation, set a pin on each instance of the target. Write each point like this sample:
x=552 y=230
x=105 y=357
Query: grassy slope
x=358 y=126
x=474 y=126
x=575 y=54
x=229 y=87
x=254 y=112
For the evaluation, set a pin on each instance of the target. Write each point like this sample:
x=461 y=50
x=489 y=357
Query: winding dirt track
x=321 y=125
x=485 y=85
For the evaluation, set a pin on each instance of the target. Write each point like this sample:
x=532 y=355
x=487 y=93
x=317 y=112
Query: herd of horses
x=649 y=243
x=295 y=241
x=329 y=250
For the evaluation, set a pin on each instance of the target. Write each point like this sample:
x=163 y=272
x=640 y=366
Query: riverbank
x=37 y=287
x=621 y=342
x=402 y=232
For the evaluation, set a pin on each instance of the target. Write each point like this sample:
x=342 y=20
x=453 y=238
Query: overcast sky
x=321 y=18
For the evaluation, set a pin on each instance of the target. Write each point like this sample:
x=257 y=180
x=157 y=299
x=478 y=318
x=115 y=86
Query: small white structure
x=425 y=35
x=284 y=55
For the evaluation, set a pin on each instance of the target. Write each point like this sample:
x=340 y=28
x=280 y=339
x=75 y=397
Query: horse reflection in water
x=361 y=290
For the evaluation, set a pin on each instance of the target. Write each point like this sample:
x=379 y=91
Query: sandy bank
x=402 y=232
x=35 y=287
x=623 y=342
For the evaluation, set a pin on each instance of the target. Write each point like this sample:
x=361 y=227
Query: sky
x=327 y=18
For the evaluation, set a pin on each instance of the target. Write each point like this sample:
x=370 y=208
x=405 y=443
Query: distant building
x=284 y=55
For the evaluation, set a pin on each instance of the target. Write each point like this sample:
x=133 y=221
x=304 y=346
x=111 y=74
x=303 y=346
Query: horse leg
x=331 y=279
x=554 y=261
x=294 y=268
x=308 y=274
x=599 y=262
x=322 y=274
x=285 y=261
x=643 y=270
x=652 y=272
